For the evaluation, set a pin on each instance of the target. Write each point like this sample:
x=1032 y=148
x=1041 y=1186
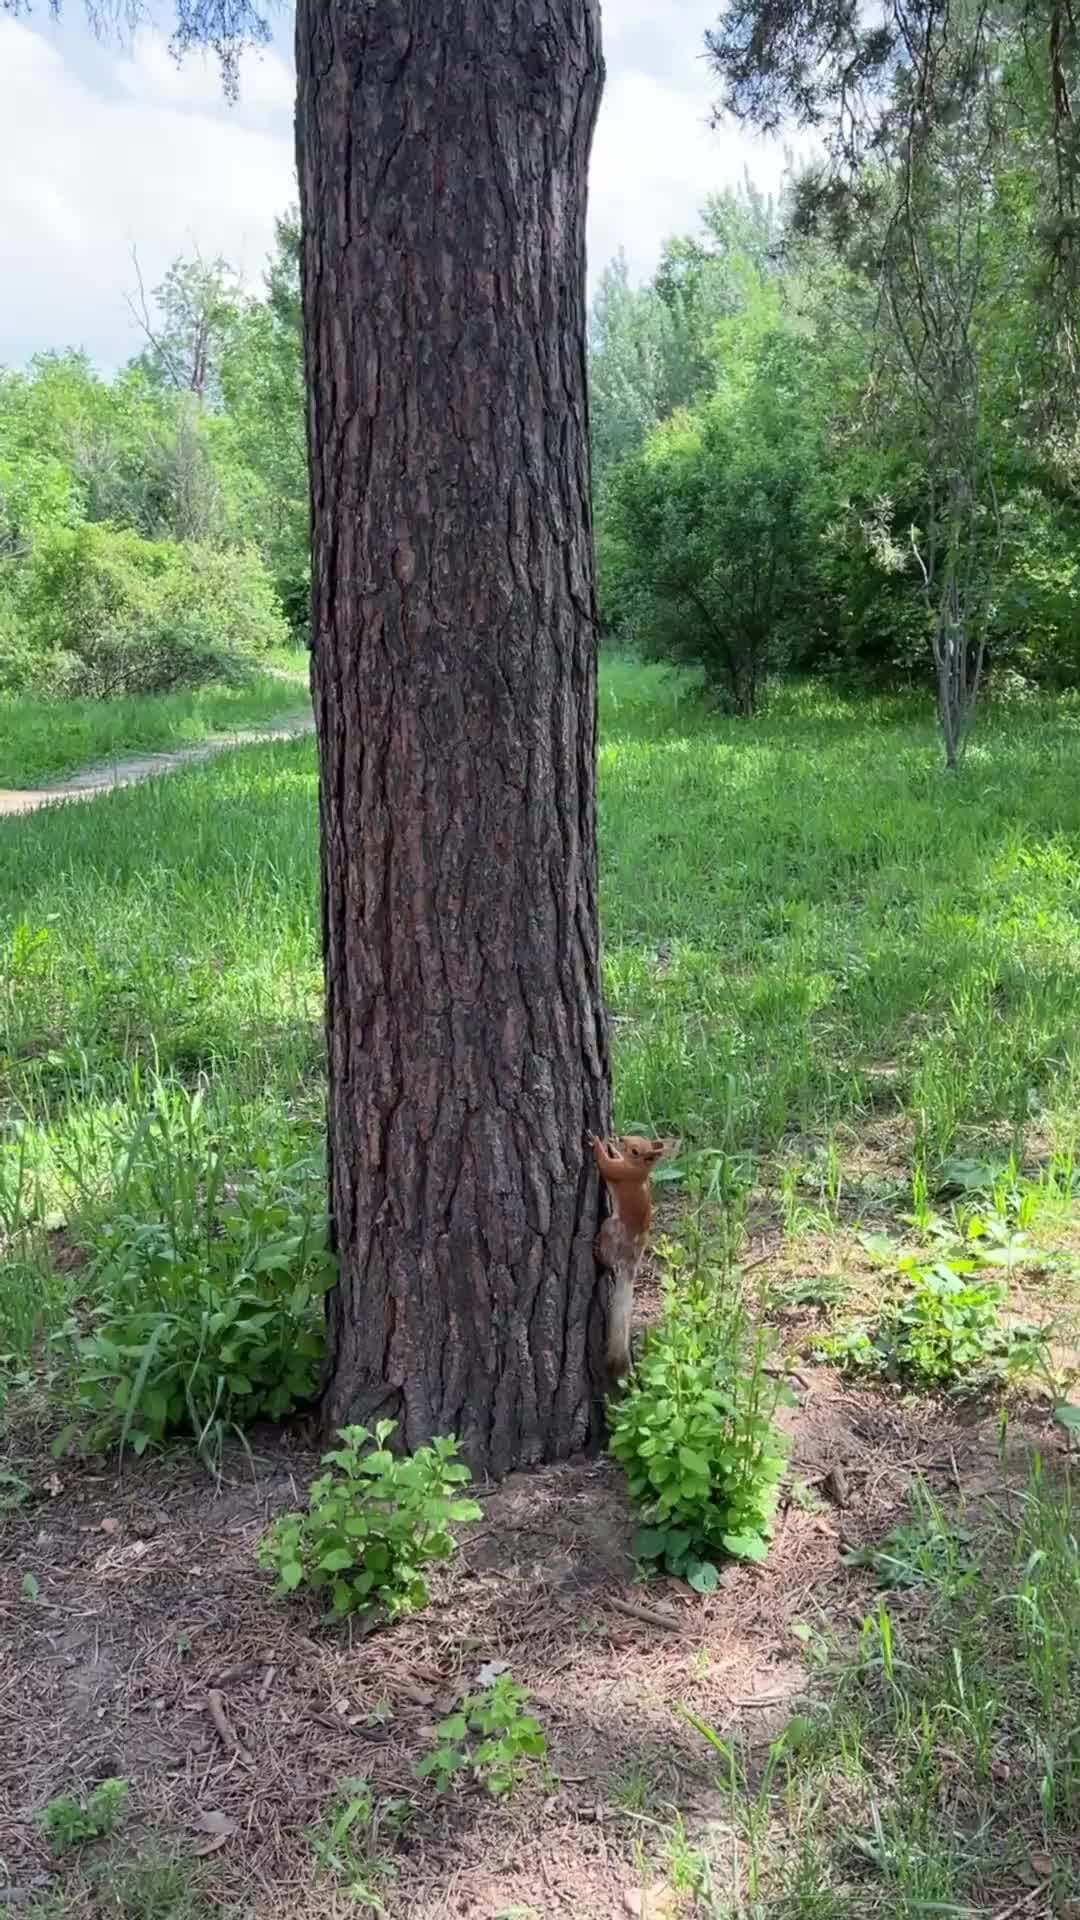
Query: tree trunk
x=443 y=148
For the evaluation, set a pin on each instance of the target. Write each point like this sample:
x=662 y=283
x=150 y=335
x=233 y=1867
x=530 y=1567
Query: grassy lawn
x=41 y=741
x=851 y=985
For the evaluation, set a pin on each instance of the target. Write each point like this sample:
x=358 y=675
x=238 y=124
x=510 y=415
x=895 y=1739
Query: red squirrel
x=624 y=1164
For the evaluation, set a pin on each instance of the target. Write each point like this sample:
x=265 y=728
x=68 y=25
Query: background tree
x=187 y=321
x=262 y=425
x=918 y=106
x=630 y=347
x=708 y=548
x=652 y=348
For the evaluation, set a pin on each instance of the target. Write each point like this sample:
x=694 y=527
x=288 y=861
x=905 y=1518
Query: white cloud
x=153 y=159
x=103 y=152
x=655 y=159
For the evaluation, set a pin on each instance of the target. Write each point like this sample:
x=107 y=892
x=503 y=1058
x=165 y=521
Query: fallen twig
x=788 y=1373
x=759 y=1260
x=989 y=1501
x=1017 y=1906
x=420 y=1696
x=650 y=1616
x=763 y=1699
x=215 y=1706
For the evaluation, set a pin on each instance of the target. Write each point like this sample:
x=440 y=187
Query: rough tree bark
x=443 y=149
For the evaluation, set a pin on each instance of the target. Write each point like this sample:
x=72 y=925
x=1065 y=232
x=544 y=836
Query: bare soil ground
x=148 y=1598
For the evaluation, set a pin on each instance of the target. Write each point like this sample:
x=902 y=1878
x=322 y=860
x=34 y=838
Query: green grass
x=41 y=740
x=937 y=1765
x=805 y=918
x=805 y=923
x=812 y=937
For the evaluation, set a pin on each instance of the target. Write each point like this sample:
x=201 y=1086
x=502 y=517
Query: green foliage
x=708 y=535
x=261 y=433
x=109 y=614
x=916 y=1556
x=652 y=348
x=153 y=1890
x=198 y=445
x=202 y=1323
x=852 y=1809
x=372 y=1525
x=347 y=1840
x=195 y=309
x=76 y=447
x=490 y=1738
x=18 y=661
x=68 y=1821
x=946 y=1329
x=694 y=1431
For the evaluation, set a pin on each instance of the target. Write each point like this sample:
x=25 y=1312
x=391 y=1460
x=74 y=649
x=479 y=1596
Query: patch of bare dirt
x=144 y=1599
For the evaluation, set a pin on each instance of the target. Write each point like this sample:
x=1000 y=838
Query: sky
x=109 y=151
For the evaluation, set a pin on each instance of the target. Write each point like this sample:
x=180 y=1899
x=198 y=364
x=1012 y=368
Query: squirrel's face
x=641 y=1152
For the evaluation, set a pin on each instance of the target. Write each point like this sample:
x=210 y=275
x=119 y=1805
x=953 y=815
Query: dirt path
x=126 y=771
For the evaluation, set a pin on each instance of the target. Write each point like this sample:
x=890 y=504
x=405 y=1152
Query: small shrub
x=908 y=1557
x=227 y=594
x=489 y=1738
x=200 y=1331
x=945 y=1330
x=13 y=1488
x=927 y=1553
x=67 y=1822
x=695 y=1434
x=371 y=1525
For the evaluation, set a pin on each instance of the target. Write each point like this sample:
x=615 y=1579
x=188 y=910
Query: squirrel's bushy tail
x=620 y=1253
x=620 y=1314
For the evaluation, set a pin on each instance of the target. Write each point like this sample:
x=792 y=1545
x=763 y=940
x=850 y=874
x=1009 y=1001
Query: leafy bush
x=196 y=1333
x=371 y=1526
x=107 y=614
x=946 y=1329
x=67 y=1822
x=17 y=658
x=707 y=548
x=1035 y=618
x=489 y=1738
x=227 y=592
x=695 y=1434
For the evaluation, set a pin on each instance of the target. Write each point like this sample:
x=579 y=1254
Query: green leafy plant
x=201 y=1326
x=490 y=1738
x=695 y=1434
x=347 y=1839
x=372 y=1524
x=926 y=1553
x=109 y=613
x=67 y=1822
x=945 y=1329
x=13 y=1490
